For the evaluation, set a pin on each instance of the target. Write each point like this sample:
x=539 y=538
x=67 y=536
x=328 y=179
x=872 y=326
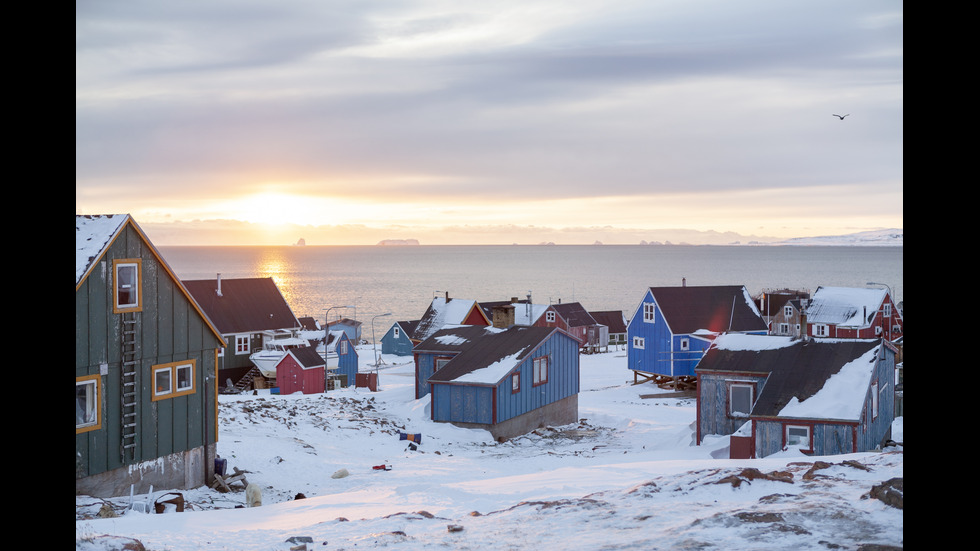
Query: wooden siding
x=713 y=406
x=169 y=329
x=562 y=352
x=655 y=355
x=347 y=363
x=463 y=404
x=400 y=345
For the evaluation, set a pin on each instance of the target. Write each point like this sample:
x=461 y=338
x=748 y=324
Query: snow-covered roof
x=93 y=233
x=842 y=394
x=844 y=306
x=442 y=313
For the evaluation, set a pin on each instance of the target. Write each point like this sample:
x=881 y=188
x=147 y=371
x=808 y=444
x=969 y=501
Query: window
x=783 y=329
x=798 y=436
x=397 y=333
x=740 y=398
x=515 y=382
x=787 y=311
x=343 y=348
x=87 y=404
x=820 y=330
x=242 y=344
x=173 y=379
x=638 y=342
x=549 y=317
x=540 y=370
x=888 y=309
x=649 y=312
x=126 y=287
x=685 y=344
x=874 y=400
x=441 y=362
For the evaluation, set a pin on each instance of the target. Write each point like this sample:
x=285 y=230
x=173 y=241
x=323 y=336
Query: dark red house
x=301 y=370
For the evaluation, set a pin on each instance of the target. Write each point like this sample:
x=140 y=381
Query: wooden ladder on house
x=129 y=387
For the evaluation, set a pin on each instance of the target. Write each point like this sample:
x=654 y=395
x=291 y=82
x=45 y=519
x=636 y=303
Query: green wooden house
x=145 y=360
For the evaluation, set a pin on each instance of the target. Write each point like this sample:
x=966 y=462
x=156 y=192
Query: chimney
x=683 y=282
x=447 y=296
x=503 y=316
x=219 y=285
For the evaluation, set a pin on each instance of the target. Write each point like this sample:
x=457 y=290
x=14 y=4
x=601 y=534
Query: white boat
x=273 y=351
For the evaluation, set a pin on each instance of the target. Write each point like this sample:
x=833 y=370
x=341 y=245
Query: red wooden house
x=853 y=313
x=301 y=370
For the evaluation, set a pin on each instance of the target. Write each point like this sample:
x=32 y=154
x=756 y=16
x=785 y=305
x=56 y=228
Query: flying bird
x=841 y=117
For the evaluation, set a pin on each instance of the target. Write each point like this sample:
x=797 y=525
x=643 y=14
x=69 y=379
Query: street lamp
x=375 y=341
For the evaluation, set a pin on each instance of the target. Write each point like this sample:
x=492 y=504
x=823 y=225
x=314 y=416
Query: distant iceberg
x=398 y=242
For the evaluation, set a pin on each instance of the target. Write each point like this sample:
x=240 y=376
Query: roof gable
x=244 y=305
x=94 y=234
x=718 y=309
x=613 y=319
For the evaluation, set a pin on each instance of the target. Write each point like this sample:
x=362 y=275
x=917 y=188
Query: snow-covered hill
x=890 y=237
x=626 y=476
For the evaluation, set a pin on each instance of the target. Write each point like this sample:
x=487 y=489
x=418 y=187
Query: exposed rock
x=889 y=492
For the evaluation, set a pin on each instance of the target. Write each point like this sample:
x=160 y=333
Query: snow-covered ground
x=627 y=476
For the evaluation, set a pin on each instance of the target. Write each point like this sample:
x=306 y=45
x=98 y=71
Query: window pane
x=126 y=290
x=85 y=400
x=741 y=399
x=162 y=382
x=185 y=377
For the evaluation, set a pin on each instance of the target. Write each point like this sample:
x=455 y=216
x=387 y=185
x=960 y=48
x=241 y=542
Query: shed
x=301 y=370
x=341 y=356
x=508 y=381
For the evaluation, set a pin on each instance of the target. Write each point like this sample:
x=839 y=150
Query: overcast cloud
x=182 y=103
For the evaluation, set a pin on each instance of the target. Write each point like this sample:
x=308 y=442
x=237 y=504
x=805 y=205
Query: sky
x=349 y=122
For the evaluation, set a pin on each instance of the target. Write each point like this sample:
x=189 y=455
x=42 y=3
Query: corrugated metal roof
x=844 y=306
x=245 y=305
x=719 y=309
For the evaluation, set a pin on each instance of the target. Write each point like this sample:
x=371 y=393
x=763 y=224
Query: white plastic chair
x=142 y=505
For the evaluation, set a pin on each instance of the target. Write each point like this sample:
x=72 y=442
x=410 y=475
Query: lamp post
x=375 y=341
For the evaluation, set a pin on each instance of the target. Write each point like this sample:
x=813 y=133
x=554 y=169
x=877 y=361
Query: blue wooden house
x=506 y=381
x=821 y=396
x=673 y=326
x=146 y=357
x=341 y=357
x=398 y=339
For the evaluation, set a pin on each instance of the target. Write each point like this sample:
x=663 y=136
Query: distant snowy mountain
x=878 y=238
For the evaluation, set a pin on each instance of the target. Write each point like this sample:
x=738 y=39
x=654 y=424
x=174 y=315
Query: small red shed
x=301 y=370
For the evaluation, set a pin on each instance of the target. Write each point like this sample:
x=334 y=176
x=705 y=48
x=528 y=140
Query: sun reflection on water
x=272 y=264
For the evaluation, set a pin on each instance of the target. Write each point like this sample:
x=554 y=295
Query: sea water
x=402 y=280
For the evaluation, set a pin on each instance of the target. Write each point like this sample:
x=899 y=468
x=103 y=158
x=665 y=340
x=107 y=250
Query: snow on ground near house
x=627 y=476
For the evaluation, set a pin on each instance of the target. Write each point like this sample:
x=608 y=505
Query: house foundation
x=177 y=471
x=562 y=412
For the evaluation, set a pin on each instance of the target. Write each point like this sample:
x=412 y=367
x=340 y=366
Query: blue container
x=274 y=390
x=220 y=466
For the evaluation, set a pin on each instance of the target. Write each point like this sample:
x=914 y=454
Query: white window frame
x=874 y=400
x=787 y=311
x=343 y=348
x=179 y=370
x=685 y=344
x=397 y=333
x=136 y=304
x=807 y=436
x=639 y=342
x=550 y=316
x=515 y=382
x=92 y=409
x=783 y=329
x=158 y=391
x=732 y=387
x=171 y=374
x=540 y=366
x=649 y=312
x=887 y=310
x=243 y=344
x=821 y=330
